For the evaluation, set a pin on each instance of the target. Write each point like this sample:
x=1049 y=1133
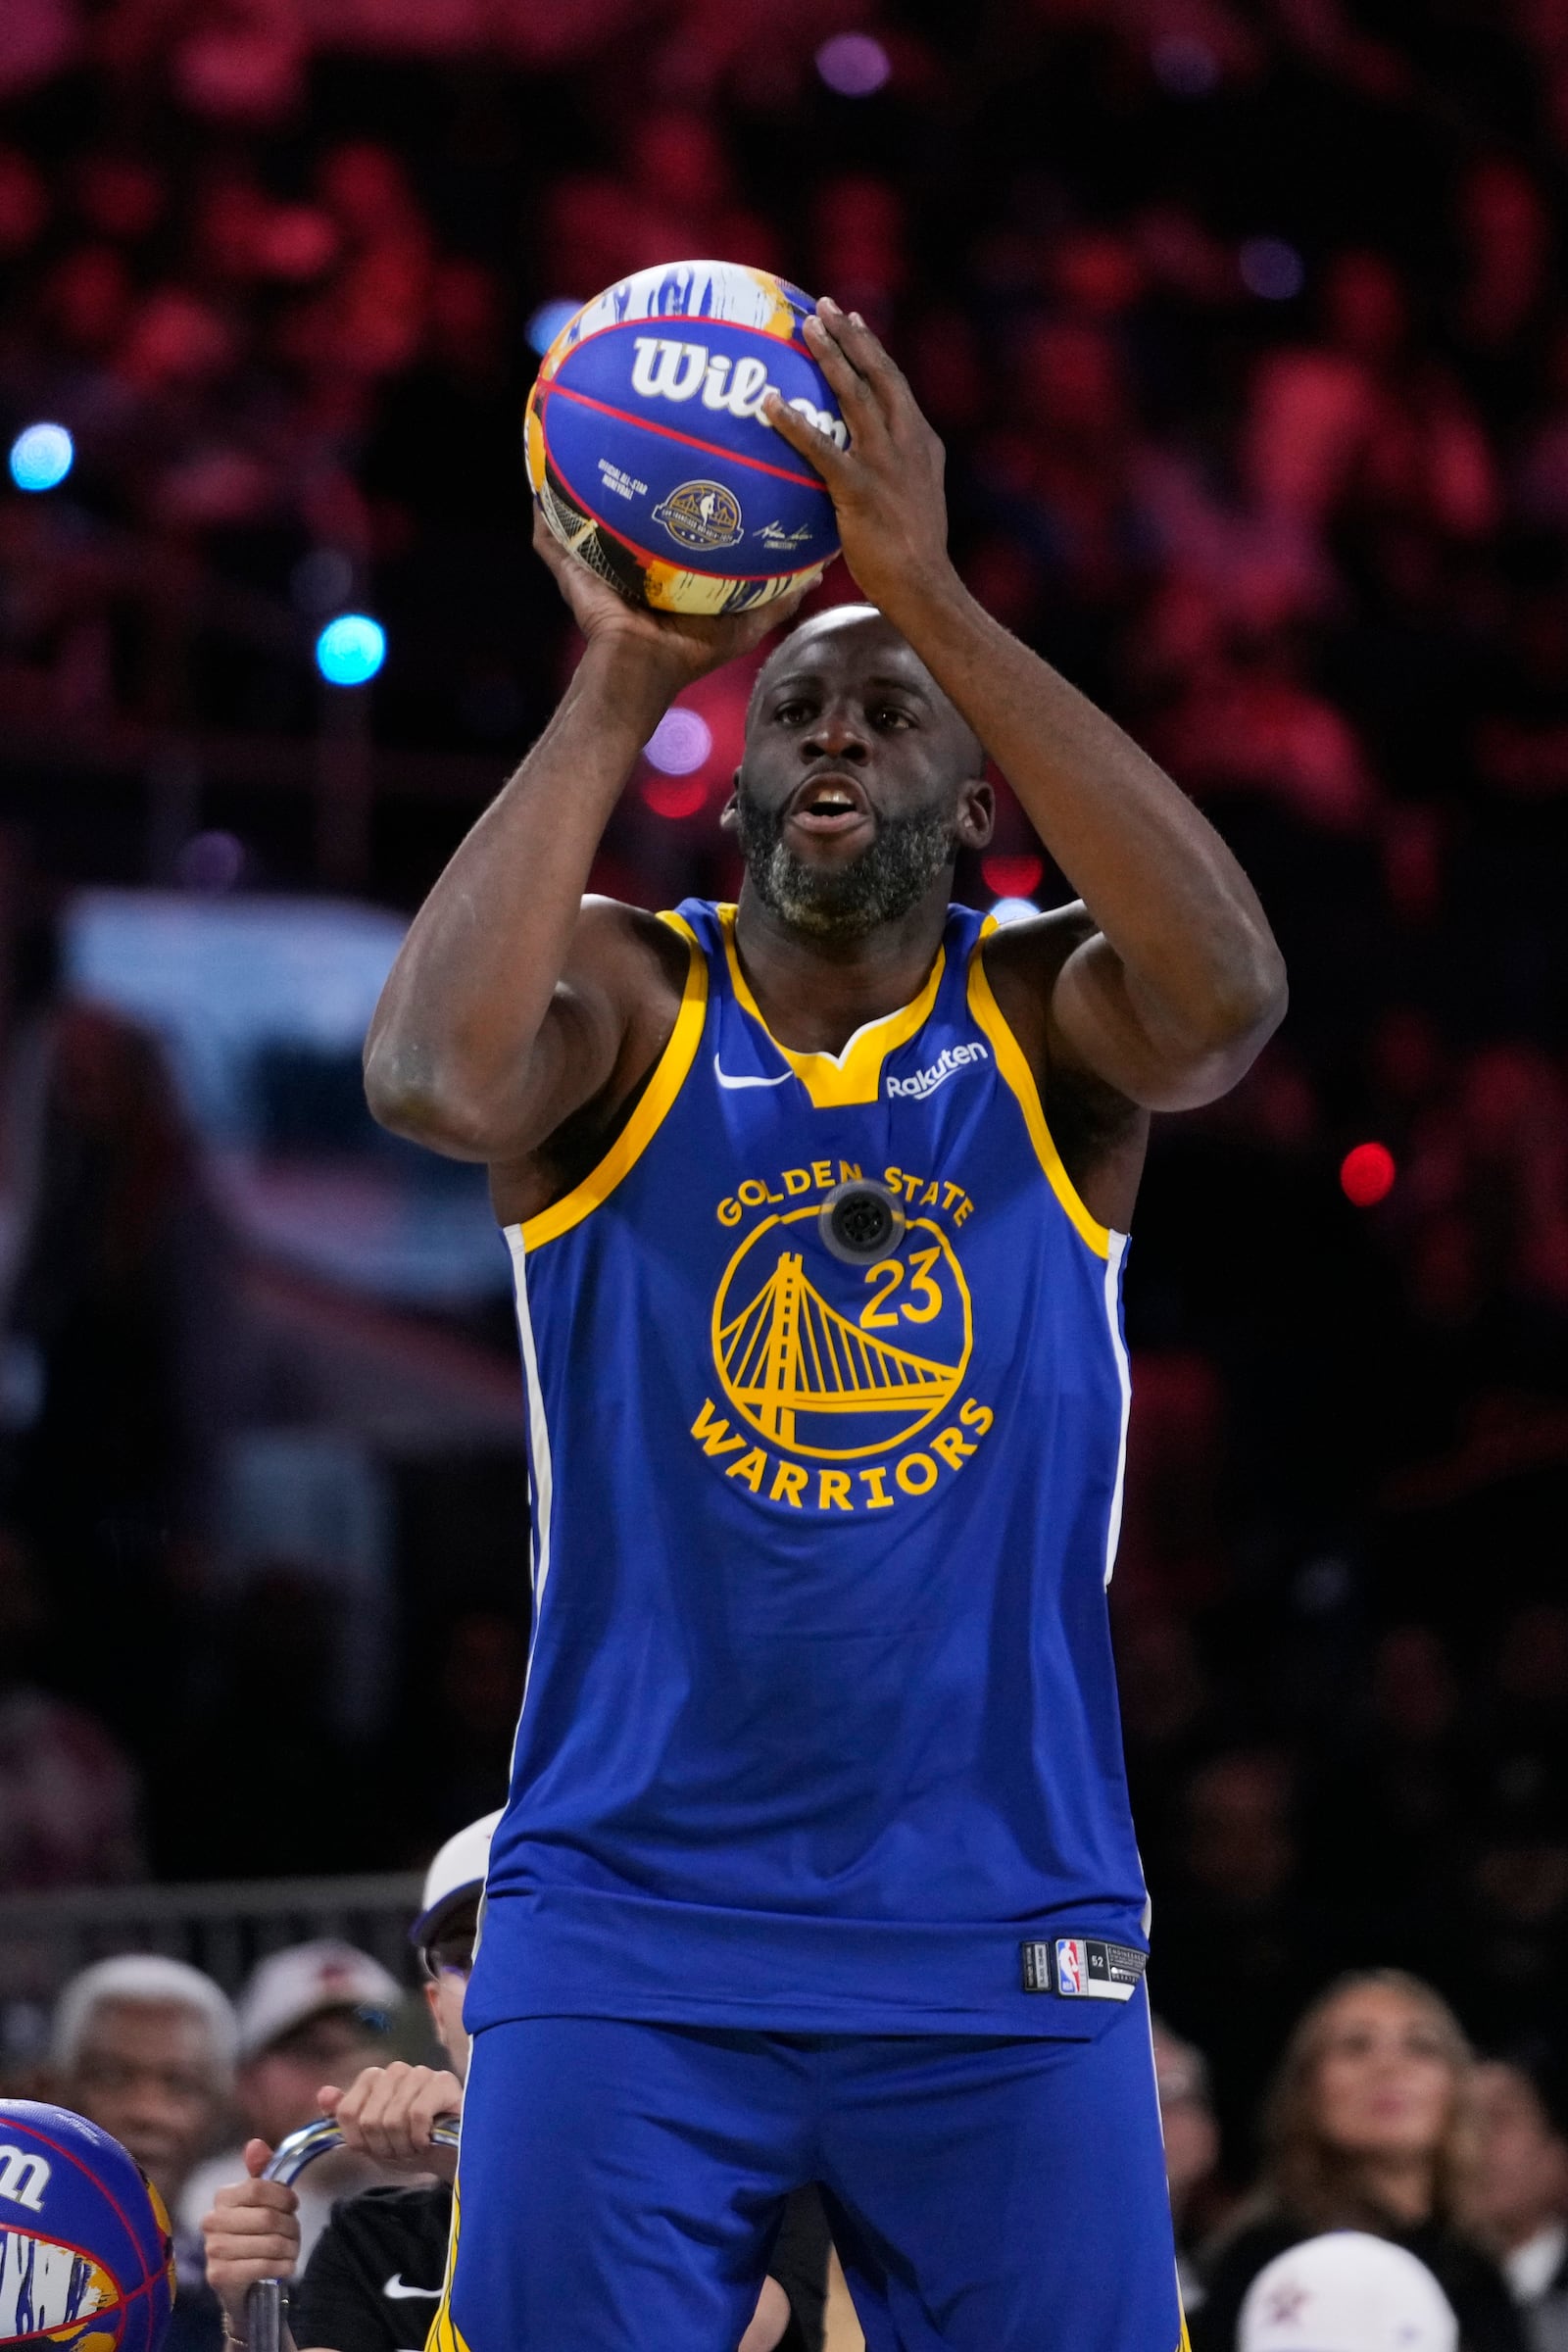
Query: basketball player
x=818 y=1861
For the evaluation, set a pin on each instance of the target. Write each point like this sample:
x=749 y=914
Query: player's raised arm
x=1173 y=993
x=511 y=1004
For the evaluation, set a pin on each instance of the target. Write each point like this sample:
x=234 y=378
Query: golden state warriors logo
x=704 y=515
x=819 y=1362
x=840 y=1380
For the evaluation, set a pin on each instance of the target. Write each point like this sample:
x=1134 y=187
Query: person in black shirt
x=1365 y=2130
x=374 y=2278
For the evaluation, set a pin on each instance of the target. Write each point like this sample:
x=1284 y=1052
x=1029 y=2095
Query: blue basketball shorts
x=620 y=2186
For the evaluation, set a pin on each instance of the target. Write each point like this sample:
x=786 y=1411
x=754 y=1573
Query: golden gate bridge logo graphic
x=812 y=1378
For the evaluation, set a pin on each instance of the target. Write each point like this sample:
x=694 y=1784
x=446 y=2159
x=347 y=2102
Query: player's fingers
x=805 y=438
x=864 y=351
x=258 y=2156
x=855 y=395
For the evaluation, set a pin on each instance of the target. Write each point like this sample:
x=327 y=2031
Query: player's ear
x=728 y=817
x=977 y=813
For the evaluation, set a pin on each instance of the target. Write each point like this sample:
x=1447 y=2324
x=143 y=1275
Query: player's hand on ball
x=682 y=646
x=252 y=2232
x=388 y=2113
x=886 y=487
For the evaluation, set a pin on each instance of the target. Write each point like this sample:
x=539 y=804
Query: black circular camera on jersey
x=862 y=1221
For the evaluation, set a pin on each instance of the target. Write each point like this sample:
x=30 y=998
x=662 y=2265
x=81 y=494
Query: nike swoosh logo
x=735 y=1084
x=395 y=2289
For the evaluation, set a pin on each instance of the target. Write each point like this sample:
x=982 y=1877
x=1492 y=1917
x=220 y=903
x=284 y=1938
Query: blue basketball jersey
x=820 y=1729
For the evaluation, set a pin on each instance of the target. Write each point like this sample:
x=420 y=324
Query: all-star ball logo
x=702 y=515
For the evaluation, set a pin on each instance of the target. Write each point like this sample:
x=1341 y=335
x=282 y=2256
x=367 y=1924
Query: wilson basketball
x=86 y=2258
x=647 y=452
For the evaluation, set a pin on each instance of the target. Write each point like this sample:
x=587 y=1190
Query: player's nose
x=836 y=735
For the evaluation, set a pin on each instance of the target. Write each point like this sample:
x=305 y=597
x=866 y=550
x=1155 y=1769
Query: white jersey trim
x=538 y=1450
x=1115 y=1257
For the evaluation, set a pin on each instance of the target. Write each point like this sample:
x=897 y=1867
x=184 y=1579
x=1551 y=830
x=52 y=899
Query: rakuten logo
x=947 y=1064
x=668 y=370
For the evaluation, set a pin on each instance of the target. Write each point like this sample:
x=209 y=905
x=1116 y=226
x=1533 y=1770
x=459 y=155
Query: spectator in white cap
x=144 y=2047
x=376 y=2267
x=309 y=2014
x=373 y=2281
x=1346 y=2293
x=316 y=2013
x=1366 y=2128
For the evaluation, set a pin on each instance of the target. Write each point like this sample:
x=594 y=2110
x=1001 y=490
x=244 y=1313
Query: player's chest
x=835 y=1305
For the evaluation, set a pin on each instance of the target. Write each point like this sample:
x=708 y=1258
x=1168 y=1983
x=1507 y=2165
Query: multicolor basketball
x=86 y=2257
x=647 y=451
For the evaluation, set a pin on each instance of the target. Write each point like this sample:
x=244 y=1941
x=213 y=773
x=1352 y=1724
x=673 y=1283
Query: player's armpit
x=1100 y=1020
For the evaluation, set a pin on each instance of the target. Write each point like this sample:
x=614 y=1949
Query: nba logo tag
x=1070 y=1964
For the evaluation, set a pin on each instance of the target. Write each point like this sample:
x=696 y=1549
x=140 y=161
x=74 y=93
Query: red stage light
x=1366 y=1174
x=1013 y=877
x=675 y=797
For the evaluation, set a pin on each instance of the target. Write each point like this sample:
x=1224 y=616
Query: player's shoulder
x=1038 y=948
x=620 y=944
x=1022 y=962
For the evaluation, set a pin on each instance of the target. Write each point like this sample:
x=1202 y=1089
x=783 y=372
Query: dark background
x=1243 y=323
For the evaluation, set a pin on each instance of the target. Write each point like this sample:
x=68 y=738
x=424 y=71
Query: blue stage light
x=351 y=649
x=1272 y=270
x=42 y=457
x=547 y=322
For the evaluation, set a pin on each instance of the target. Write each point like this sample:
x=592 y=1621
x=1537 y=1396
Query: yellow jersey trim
x=669 y=1077
x=445 y=2335
x=833 y=1080
x=1020 y=1078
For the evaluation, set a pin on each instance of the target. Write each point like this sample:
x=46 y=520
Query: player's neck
x=814 y=992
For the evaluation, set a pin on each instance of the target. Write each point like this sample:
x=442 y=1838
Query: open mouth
x=829 y=804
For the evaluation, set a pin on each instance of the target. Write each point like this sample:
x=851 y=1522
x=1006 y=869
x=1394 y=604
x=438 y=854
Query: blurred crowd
x=1244 y=323
x=1379 y=2119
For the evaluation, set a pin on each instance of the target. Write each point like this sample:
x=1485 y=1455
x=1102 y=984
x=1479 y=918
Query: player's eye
x=798 y=712
x=887 y=714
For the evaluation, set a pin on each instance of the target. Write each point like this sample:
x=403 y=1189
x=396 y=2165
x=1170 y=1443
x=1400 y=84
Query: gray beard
x=905 y=855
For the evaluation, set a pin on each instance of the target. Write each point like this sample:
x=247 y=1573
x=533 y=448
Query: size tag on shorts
x=1083 y=1968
